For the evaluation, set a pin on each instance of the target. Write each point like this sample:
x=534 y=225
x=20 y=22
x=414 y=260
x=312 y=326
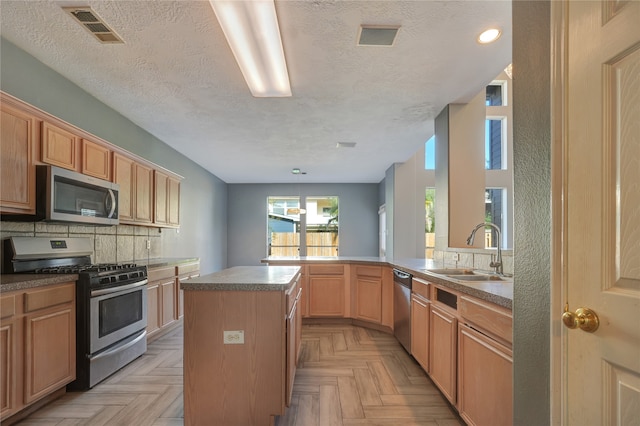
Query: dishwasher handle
x=401 y=274
x=402 y=278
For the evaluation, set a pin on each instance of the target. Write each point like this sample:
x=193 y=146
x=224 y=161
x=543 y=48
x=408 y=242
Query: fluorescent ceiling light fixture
x=490 y=35
x=252 y=31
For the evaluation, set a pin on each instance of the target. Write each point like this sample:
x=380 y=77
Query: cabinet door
x=442 y=351
x=485 y=372
x=17 y=171
x=420 y=330
x=153 y=312
x=173 y=201
x=50 y=350
x=123 y=174
x=369 y=299
x=292 y=332
x=143 y=211
x=59 y=147
x=8 y=366
x=169 y=308
x=326 y=296
x=96 y=160
x=160 y=189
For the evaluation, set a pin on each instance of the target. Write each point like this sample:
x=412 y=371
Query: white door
x=601 y=265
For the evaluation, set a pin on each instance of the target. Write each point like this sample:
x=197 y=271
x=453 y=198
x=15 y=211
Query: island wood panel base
x=234 y=384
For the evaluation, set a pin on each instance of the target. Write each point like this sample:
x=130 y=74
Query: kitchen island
x=241 y=344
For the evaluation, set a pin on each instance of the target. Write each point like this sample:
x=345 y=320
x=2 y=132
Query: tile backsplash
x=111 y=244
x=474 y=259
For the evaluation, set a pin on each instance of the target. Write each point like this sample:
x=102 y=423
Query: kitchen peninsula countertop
x=245 y=278
x=498 y=292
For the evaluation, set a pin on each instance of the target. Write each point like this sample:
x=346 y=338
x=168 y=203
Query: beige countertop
x=12 y=282
x=498 y=292
x=245 y=278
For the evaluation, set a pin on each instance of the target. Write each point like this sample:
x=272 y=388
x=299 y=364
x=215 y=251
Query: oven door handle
x=117 y=349
x=117 y=289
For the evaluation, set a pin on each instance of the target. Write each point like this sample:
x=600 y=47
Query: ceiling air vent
x=86 y=17
x=377 y=35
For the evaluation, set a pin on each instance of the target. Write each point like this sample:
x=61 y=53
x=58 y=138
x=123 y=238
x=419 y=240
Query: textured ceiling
x=176 y=78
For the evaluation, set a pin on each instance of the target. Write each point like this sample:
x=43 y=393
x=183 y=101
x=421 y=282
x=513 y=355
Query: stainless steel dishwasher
x=402 y=308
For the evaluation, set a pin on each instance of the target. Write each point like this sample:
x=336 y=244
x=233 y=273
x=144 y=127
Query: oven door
x=117 y=313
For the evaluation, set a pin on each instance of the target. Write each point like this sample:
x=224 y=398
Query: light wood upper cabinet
x=123 y=174
x=173 y=201
x=60 y=147
x=17 y=172
x=96 y=160
x=167 y=199
x=160 y=189
x=136 y=195
x=143 y=211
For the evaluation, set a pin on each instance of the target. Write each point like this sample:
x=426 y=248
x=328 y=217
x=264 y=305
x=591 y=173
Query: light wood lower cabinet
x=238 y=384
x=327 y=290
x=368 y=293
x=165 y=299
x=485 y=375
x=38 y=336
x=420 y=330
x=185 y=272
x=443 y=336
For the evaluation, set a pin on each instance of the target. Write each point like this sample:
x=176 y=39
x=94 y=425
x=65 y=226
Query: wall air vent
x=91 y=22
x=377 y=35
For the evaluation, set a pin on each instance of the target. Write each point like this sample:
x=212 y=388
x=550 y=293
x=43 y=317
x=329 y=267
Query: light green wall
x=532 y=211
x=203 y=206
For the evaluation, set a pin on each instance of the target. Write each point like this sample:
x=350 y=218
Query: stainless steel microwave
x=67 y=196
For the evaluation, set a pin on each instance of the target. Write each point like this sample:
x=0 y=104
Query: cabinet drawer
x=369 y=271
x=486 y=317
x=165 y=272
x=188 y=268
x=326 y=269
x=40 y=299
x=421 y=287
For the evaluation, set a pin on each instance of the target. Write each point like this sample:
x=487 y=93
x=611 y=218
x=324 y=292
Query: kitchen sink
x=451 y=271
x=475 y=277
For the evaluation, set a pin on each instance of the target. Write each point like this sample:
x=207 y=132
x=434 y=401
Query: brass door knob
x=584 y=318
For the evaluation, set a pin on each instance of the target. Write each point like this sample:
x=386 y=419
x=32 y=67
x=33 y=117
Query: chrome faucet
x=497 y=264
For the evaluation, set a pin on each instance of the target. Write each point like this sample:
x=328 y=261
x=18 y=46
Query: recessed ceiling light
x=295 y=171
x=488 y=36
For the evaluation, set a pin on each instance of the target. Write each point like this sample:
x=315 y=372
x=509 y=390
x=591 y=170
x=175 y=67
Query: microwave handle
x=111 y=201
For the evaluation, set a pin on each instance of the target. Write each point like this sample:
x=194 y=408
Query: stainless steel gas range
x=111 y=300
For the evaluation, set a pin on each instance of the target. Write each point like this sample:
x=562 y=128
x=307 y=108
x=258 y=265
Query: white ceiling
x=176 y=78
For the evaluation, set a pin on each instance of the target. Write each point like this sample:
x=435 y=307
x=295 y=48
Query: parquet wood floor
x=347 y=376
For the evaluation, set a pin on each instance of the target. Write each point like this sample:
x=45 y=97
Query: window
x=494 y=94
x=288 y=220
x=322 y=226
x=493 y=143
x=430 y=154
x=494 y=202
x=430 y=222
x=283 y=229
